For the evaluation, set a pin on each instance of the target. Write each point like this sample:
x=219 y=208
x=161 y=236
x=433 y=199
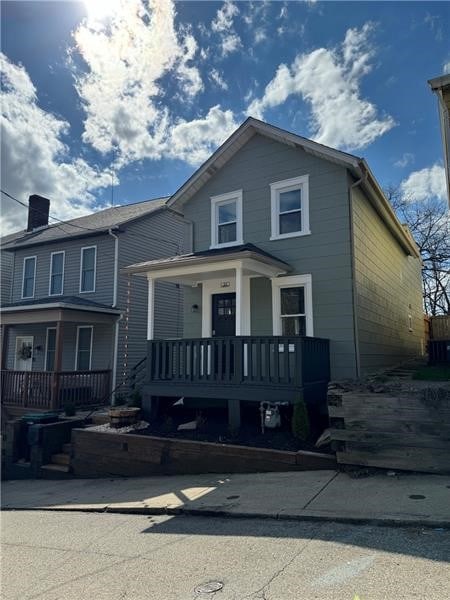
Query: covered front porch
x=248 y=330
x=57 y=353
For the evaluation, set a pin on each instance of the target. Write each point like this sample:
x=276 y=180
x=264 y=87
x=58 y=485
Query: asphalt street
x=75 y=555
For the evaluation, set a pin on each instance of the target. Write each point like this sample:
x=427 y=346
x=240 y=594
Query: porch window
x=226 y=219
x=56 y=274
x=29 y=276
x=292 y=309
x=290 y=207
x=293 y=315
x=88 y=269
x=84 y=348
x=50 y=348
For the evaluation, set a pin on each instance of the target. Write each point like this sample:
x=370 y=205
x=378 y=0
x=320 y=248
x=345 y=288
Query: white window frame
x=81 y=269
x=278 y=283
x=91 y=327
x=46 y=348
x=51 y=273
x=296 y=183
x=34 y=275
x=216 y=201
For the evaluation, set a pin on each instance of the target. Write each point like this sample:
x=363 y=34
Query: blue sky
x=140 y=93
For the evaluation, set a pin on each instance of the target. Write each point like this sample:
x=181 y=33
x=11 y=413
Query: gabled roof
x=93 y=224
x=238 y=139
x=357 y=167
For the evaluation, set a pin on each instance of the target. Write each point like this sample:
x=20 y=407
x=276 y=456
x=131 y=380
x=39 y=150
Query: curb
x=223 y=514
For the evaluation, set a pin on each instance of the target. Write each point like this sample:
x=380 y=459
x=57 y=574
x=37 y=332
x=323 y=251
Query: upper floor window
x=56 y=283
x=29 y=277
x=88 y=269
x=226 y=219
x=290 y=207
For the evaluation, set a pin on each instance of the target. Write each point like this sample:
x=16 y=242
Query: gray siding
x=105 y=268
x=155 y=236
x=101 y=345
x=192 y=320
x=325 y=253
x=261 y=311
x=6 y=273
x=388 y=289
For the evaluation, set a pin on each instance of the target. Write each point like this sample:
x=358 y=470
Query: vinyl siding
x=155 y=236
x=325 y=254
x=72 y=248
x=6 y=274
x=102 y=344
x=388 y=289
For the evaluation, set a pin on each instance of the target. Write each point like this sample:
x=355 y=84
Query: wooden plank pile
x=410 y=432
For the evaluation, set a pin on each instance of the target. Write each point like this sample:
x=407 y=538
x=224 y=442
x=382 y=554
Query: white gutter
x=114 y=304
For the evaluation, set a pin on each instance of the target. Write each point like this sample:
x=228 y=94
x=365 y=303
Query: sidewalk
x=404 y=499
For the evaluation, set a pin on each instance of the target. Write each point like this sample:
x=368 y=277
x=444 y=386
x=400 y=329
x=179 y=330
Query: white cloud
x=260 y=35
x=218 y=79
x=329 y=80
x=223 y=25
x=35 y=158
x=426 y=183
x=225 y=16
x=405 y=160
x=446 y=69
x=121 y=89
x=194 y=141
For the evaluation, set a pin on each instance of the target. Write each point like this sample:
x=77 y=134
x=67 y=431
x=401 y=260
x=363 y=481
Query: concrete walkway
x=406 y=499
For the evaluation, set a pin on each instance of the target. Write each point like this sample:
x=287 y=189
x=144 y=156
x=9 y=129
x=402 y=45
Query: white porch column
x=151 y=308
x=242 y=303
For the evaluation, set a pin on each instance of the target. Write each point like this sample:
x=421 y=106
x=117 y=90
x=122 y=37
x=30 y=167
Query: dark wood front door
x=223 y=315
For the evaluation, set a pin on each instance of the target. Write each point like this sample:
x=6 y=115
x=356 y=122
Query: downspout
x=114 y=305
x=353 y=270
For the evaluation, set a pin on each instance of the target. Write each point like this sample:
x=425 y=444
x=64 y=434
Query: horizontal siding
x=72 y=248
x=388 y=289
x=102 y=345
x=155 y=236
x=6 y=273
x=325 y=253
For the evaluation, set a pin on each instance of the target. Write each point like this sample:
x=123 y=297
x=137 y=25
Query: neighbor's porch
x=55 y=355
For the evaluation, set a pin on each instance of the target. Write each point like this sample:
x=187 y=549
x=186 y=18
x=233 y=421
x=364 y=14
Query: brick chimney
x=38 y=210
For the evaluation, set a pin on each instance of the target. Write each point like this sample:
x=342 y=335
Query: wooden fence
x=408 y=433
x=440 y=327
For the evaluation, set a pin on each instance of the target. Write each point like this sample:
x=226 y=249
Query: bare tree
x=429 y=223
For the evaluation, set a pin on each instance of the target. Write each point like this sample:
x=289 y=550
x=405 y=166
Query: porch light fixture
x=194 y=308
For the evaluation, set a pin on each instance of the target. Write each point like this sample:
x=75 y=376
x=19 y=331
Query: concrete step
x=61 y=459
x=52 y=471
x=67 y=448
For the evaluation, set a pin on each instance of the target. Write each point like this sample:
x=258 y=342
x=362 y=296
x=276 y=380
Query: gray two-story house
x=294 y=247
x=67 y=332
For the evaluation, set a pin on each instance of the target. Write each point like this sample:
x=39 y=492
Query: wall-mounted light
x=194 y=308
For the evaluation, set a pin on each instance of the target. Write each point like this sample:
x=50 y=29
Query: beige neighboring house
x=441 y=87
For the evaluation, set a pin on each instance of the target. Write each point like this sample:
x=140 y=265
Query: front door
x=223 y=315
x=24 y=353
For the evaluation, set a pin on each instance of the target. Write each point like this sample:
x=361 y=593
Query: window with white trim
x=29 y=276
x=290 y=207
x=56 y=274
x=292 y=310
x=293 y=313
x=84 y=348
x=226 y=219
x=50 y=349
x=88 y=269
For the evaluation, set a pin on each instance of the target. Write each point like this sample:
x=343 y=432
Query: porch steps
x=59 y=468
x=61 y=459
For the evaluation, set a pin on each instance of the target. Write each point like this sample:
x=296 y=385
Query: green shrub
x=69 y=409
x=135 y=399
x=300 y=421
